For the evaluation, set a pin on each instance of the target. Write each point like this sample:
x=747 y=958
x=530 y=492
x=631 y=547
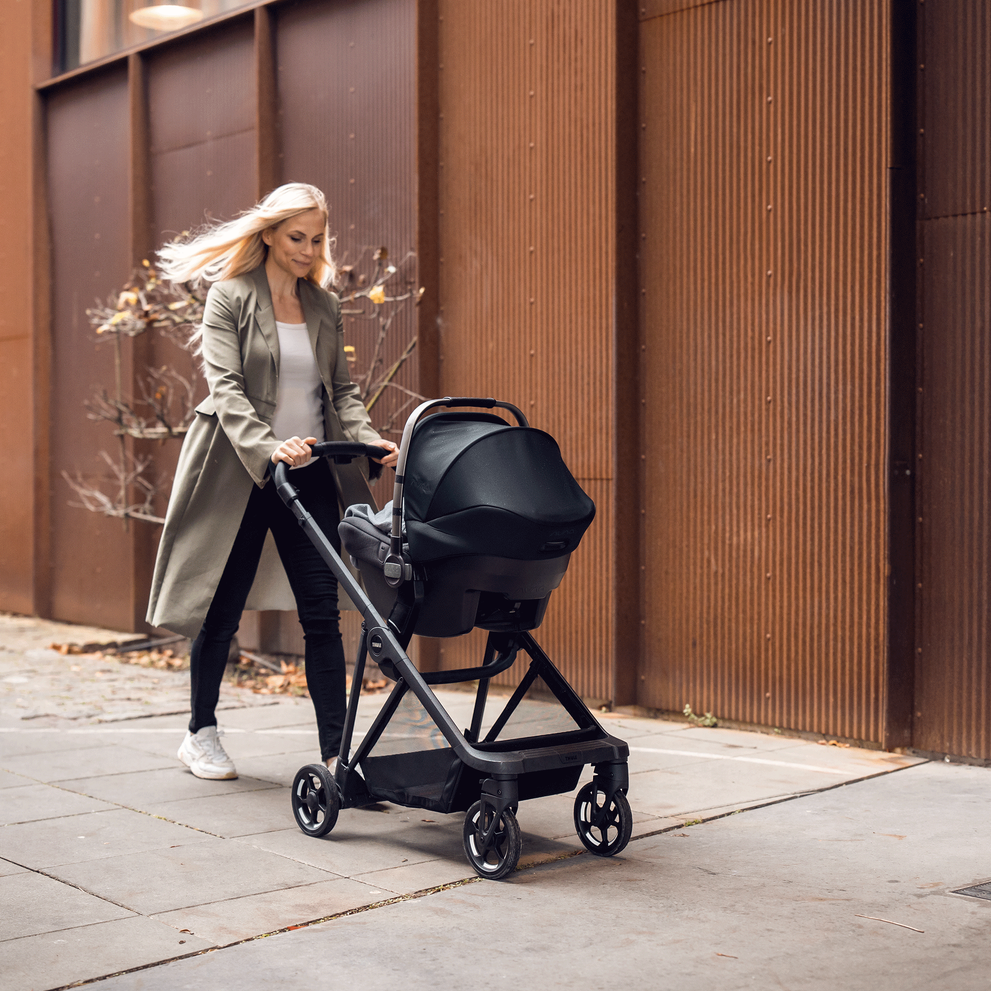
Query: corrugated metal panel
x=346 y=82
x=526 y=232
x=764 y=220
x=87 y=177
x=953 y=680
x=201 y=111
x=18 y=395
x=201 y=116
x=954 y=85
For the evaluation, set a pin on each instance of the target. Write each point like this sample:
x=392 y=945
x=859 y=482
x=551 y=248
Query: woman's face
x=295 y=243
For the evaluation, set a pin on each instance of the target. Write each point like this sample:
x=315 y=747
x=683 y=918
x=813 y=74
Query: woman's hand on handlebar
x=393 y=456
x=295 y=452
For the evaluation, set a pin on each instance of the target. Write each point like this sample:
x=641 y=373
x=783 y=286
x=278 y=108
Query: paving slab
x=94 y=836
x=140 y=790
x=170 y=878
x=84 y=761
x=55 y=959
x=237 y=813
x=112 y=816
x=241 y=918
x=33 y=903
x=31 y=802
x=10 y=780
x=814 y=894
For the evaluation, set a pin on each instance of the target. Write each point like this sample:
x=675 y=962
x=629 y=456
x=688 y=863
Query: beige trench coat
x=230 y=444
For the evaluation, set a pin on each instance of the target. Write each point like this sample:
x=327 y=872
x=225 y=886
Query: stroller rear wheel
x=604 y=827
x=316 y=801
x=493 y=841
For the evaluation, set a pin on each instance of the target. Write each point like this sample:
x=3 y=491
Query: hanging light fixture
x=166 y=16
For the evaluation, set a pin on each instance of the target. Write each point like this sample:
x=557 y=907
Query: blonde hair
x=226 y=250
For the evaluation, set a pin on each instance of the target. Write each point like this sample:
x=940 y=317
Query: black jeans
x=314 y=587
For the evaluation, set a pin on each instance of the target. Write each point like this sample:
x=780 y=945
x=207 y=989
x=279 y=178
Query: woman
x=272 y=349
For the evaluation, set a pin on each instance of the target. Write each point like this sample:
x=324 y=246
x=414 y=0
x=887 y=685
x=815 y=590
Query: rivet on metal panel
x=531 y=303
x=768 y=575
x=531 y=196
x=769 y=207
x=769 y=340
x=768 y=398
x=768 y=273
x=768 y=515
x=531 y=41
x=770 y=99
x=770 y=158
x=351 y=137
x=531 y=144
x=531 y=92
x=769 y=40
x=531 y=248
x=767 y=636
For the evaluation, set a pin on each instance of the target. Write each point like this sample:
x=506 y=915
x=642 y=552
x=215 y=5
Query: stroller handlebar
x=343 y=451
x=340 y=451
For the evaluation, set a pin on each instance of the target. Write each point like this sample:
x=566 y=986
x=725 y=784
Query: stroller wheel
x=493 y=842
x=603 y=827
x=315 y=800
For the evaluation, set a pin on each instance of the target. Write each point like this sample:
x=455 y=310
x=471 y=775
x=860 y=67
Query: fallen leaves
x=263 y=676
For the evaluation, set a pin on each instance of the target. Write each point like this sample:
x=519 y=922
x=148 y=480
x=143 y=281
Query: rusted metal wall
x=87 y=182
x=953 y=676
x=346 y=98
x=526 y=240
x=763 y=219
x=16 y=338
x=200 y=155
x=169 y=138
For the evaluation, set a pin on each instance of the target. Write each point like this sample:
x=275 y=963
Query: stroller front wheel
x=316 y=801
x=493 y=841
x=604 y=827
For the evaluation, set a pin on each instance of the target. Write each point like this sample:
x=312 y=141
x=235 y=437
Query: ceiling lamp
x=165 y=16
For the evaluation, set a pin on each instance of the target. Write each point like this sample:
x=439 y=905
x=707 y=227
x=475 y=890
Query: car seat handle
x=450 y=402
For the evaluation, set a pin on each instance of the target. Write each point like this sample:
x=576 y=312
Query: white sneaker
x=204 y=755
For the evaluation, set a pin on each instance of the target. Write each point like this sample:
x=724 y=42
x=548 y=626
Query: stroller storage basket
x=484 y=518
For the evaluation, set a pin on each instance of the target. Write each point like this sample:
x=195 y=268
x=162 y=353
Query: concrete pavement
x=748 y=863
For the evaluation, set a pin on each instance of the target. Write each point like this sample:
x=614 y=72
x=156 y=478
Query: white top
x=299 y=410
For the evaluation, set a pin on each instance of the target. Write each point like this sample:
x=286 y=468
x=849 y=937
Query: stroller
x=484 y=518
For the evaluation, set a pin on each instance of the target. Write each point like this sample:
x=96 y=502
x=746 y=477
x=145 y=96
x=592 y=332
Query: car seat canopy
x=475 y=485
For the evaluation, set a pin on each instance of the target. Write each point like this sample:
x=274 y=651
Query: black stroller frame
x=476 y=771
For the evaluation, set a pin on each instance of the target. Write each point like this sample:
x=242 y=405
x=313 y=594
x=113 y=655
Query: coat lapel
x=265 y=313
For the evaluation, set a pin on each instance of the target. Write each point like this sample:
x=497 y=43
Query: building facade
x=733 y=255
